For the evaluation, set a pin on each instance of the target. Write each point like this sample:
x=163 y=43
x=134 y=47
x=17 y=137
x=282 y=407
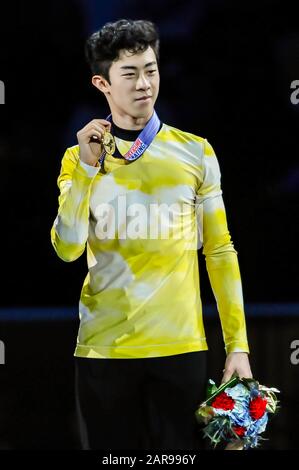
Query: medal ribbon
x=142 y=142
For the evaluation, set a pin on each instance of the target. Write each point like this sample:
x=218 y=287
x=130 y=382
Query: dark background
x=226 y=73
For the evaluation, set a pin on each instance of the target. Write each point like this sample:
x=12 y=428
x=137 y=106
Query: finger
x=95 y=135
x=245 y=375
x=226 y=376
x=97 y=127
x=102 y=122
x=95 y=139
x=98 y=124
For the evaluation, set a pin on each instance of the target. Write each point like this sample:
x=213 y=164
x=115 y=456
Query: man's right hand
x=90 y=140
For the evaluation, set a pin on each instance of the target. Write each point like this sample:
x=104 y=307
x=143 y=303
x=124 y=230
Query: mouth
x=143 y=98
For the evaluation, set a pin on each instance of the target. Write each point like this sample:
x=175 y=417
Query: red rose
x=257 y=407
x=239 y=430
x=223 y=401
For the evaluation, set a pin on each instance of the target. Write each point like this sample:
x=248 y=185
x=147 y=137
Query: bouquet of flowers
x=237 y=410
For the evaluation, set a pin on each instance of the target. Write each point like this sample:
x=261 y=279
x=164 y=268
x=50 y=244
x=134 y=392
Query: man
x=141 y=348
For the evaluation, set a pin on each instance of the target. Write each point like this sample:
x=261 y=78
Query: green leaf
x=211 y=388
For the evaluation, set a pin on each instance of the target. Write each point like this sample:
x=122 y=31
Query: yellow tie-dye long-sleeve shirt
x=142 y=223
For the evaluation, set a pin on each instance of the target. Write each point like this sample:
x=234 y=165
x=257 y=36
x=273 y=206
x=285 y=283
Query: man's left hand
x=237 y=362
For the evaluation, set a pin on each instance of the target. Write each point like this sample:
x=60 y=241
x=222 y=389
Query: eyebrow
x=126 y=67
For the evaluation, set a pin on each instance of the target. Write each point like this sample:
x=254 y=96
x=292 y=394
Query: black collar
x=127 y=134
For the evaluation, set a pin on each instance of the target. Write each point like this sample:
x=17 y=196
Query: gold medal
x=108 y=143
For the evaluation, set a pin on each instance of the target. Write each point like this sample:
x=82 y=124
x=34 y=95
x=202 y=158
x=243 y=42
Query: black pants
x=141 y=403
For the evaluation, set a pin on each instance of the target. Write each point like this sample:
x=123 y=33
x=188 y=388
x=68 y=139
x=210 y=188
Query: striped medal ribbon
x=138 y=147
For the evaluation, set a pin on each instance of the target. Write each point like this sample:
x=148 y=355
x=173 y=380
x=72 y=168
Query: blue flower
x=240 y=415
x=238 y=392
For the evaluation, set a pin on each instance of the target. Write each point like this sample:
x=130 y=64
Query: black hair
x=103 y=46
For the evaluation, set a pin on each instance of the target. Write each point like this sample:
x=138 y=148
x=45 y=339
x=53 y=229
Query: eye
x=152 y=71
x=128 y=75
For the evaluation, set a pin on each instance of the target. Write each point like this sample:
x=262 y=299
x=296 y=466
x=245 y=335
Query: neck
x=125 y=121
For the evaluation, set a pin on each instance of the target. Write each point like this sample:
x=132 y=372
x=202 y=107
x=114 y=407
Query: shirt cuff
x=235 y=347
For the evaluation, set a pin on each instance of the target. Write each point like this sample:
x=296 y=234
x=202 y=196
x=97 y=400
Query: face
x=134 y=84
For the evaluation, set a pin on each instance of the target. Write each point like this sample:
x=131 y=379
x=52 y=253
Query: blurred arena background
x=229 y=72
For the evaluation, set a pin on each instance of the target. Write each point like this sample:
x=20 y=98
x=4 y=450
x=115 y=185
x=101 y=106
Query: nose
x=142 y=83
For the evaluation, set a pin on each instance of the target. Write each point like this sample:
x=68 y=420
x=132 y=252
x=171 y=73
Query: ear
x=100 y=83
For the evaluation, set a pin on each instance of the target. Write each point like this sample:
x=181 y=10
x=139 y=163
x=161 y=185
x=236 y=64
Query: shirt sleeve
x=70 y=228
x=220 y=255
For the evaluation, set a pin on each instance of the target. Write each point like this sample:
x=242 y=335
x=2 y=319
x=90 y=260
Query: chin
x=143 y=113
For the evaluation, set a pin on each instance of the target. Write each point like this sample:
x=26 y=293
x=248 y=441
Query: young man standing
x=134 y=190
